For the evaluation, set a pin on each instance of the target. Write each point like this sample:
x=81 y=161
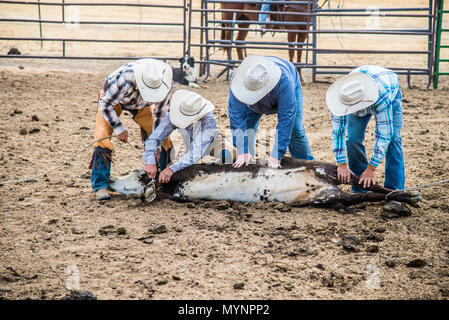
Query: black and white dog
x=186 y=75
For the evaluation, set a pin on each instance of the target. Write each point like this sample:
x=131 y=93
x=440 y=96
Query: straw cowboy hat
x=153 y=78
x=186 y=107
x=351 y=93
x=254 y=78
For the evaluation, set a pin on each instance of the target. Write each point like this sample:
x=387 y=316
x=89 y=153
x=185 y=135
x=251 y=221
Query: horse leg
x=291 y=37
x=241 y=36
x=301 y=36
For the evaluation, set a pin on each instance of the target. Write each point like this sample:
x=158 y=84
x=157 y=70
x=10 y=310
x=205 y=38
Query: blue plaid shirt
x=388 y=86
x=120 y=88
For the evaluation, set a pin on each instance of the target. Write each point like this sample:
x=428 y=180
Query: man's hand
x=123 y=137
x=242 y=159
x=343 y=173
x=165 y=175
x=150 y=170
x=274 y=163
x=368 y=177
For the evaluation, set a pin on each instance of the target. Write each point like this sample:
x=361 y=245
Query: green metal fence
x=437 y=73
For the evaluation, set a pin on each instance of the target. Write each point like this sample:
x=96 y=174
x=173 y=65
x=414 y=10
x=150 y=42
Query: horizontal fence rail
x=213 y=25
x=179 y=26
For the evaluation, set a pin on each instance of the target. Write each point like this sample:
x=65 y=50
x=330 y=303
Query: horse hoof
x=415 y=193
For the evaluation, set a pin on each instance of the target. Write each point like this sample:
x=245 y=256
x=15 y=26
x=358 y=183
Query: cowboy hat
x=186 y=107
x=351 y=93
x=254 y=78
x=153 y=78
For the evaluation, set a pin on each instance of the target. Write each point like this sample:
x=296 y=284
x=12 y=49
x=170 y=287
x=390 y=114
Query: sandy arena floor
x=53 y=231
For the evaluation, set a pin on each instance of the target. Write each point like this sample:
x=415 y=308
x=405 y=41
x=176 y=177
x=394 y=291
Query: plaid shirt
x=389 y=89
x=120 y=88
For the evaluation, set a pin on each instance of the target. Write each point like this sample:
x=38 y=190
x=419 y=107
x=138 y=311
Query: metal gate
x=66 y=16
x=211 y=26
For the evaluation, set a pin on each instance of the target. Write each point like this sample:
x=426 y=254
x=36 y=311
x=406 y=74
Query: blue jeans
x=394 y=159
x=101 y=171
x=299 y=144
x=265 y=7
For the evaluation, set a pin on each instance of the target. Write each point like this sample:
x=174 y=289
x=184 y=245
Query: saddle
x=279 y=17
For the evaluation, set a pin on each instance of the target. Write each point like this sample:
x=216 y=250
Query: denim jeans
x=299 y=144
x=265 y=7
x=101 y=171
x=394 y=160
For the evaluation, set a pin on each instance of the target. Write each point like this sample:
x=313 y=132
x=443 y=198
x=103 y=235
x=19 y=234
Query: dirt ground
x=52 y=232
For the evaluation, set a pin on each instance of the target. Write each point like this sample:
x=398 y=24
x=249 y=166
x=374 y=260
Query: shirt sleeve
x=156 y=138
x=382 y=135
x=112 y=97
x=202 y=133
x=237 y=112
x=160 y=110
x=339 y=125
x=287 y=106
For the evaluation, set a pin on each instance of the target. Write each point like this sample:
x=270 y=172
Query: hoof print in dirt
x=104 y=231
x=239 y=286
x=80 y=295
x=395 y=209
x=416 y=263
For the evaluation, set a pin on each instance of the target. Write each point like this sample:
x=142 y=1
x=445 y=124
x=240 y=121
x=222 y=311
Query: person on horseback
x=265 y=7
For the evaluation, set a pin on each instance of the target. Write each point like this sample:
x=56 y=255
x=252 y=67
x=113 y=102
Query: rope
x=34 y=178
x=418 y=187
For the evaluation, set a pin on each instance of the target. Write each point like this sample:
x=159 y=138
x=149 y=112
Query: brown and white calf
x=298 y=182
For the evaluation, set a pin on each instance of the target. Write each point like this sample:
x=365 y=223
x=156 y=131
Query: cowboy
x=367 y=91
x=193 y=116
x=267 y=85
x=133 y=87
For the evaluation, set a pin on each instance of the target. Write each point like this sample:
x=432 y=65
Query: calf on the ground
x=298 y=183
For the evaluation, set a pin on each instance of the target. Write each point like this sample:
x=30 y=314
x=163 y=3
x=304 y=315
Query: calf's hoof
x=416 y=199
x=150 y=192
